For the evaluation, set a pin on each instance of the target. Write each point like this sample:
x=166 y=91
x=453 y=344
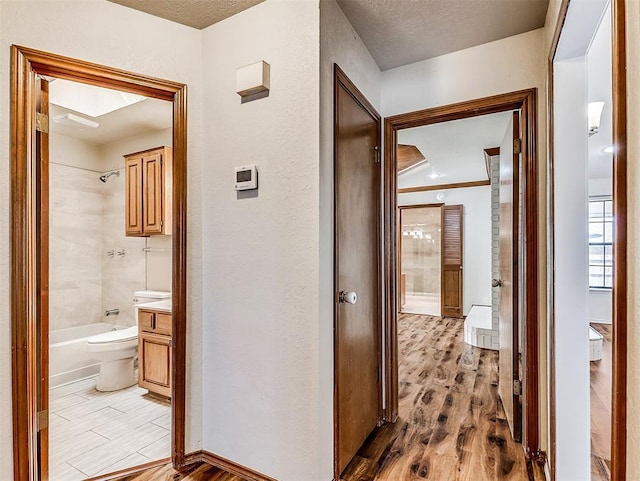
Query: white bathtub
x=69 y=361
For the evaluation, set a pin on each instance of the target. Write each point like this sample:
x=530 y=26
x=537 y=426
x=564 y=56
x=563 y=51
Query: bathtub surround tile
x=94 y=432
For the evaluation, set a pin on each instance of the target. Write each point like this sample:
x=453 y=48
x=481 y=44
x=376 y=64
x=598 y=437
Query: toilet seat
x=114 y=337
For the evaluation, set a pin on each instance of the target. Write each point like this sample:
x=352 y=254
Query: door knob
x=348 y=297
x=496 y=283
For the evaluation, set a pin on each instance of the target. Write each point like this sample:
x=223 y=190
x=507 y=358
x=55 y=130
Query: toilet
x=117 y=350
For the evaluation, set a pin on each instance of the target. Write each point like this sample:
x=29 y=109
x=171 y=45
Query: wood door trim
x=340 y=80
x=526 y=101
x=457 y=185
x=564 y=7
x=26 y=64
x=620 y=307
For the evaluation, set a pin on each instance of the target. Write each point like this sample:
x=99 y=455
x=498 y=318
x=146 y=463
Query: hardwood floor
x=601 y=377
x=451 y=424
x=194 y=472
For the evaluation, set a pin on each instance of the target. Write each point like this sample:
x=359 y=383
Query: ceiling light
x=609 y=150
x=595 y=112
x=434 y=175
x=75 y=121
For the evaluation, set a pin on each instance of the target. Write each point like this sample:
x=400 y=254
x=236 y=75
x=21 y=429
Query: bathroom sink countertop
x=164 y=305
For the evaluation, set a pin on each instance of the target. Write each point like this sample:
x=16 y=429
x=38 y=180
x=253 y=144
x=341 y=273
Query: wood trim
x=488 y=153
x=227 y=465
x=419 y=206
x=390 y=250
x=342 y=81
x=26 y=63
x=526 y=101
x=620 y=307
x=551 y=460
x=458 y=185
x=130 y=471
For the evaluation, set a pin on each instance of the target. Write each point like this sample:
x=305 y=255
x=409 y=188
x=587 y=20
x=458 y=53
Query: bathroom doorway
x=420 y=259
x=99 y=279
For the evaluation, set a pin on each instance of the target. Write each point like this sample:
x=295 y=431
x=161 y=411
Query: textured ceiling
x=194 y=13
x=399 y=32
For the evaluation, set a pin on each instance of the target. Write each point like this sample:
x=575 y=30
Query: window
x=601 y=243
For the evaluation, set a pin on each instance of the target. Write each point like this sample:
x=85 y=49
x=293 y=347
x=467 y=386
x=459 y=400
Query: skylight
x=89 y=100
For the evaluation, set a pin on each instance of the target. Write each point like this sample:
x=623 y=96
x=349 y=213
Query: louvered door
x=452 y=272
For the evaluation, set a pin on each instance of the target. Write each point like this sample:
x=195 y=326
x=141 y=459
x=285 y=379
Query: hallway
x=450 y=425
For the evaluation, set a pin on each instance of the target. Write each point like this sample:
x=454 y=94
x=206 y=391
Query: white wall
x=633 y=183
x=571 y=286
x=108 y=34
x=472 y=73
x=477 y=238
x=262 y=383
x=340 y=44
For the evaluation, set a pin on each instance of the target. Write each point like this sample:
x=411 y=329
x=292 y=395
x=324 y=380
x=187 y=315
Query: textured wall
x=261 y=327
x=108 y=34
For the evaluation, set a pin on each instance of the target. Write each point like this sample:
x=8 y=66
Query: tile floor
x=94 y=433
x=428 y=304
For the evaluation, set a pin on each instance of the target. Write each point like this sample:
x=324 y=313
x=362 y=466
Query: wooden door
x=133 y=196
x=508 y=282
x=152 y=196
x=452 y=258
x=357 y=220
x=42 y=277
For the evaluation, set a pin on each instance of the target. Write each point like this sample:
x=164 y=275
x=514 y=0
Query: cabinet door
x=154 y=364
x=152 y=192
x=133 y=196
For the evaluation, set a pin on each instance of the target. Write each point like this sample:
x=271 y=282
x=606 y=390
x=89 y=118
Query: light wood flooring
x=451 y=424
x=601 y=377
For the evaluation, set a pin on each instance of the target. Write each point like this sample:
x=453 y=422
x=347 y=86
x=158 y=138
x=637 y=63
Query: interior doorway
x=521 y=354
x=588 y=234
x=38 y=206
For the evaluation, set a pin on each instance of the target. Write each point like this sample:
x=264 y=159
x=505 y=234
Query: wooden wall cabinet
x=154 y=351
x=148 y=192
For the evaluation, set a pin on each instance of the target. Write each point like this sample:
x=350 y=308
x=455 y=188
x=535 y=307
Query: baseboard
x=219 y=462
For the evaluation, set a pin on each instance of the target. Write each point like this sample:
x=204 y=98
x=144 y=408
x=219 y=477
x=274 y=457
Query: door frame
x=619 y=290
x=526 y=101
x=342 y=81
x=26 y=235
x=400 y=209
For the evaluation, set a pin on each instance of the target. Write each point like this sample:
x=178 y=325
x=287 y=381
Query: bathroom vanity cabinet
x=148 y=192
x=154 y=351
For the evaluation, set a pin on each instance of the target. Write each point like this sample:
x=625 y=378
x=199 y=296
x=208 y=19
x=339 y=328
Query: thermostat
x=246 y=177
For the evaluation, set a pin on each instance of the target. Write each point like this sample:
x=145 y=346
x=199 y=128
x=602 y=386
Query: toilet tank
x=144 y=297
